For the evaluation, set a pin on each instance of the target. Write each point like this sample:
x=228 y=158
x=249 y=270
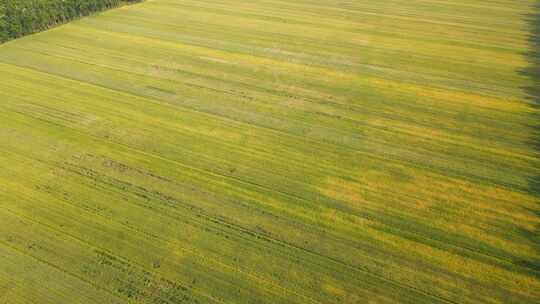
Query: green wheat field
x=273 y=151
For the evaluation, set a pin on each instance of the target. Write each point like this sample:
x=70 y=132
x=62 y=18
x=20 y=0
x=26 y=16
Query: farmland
x=271 y=151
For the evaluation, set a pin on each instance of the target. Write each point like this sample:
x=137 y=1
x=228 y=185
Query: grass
x=273 y=152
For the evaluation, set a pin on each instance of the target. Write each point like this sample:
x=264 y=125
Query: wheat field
x=272 y=151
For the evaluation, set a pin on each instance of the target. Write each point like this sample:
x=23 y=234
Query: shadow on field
x=533 y=94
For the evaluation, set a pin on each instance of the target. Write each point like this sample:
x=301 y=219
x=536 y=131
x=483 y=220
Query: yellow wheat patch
x=333 y=289
x=343 y=190
x=386 y=181
x=452 y=97
x=481 y=235
x=520 y=284
x=490 y=198
x=215 y=132
x=420 y=131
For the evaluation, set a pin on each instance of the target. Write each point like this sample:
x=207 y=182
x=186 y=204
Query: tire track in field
x=313 y=254
x=92 y=246
x=261 y=89
x=395 y=159
x=416 y=234
x=455 y=246
x=202 y=223
x=333 y=168
x=164 y=240
x=57 y=268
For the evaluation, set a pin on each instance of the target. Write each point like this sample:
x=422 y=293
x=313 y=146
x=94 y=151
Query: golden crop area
x=274 y=151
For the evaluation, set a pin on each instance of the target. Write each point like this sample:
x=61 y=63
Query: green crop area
x=274 y=151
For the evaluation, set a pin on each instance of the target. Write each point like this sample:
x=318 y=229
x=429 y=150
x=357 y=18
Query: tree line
x=22 y=17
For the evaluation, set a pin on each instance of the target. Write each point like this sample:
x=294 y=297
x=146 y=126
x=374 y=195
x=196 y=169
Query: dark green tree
x=23 y=17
